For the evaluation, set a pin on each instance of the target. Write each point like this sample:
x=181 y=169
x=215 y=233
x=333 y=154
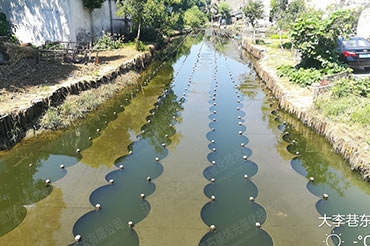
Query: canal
x=197 y=153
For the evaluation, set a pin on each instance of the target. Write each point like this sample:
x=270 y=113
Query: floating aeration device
x=240 y=132
x=78 y=150
x=62 y=166
x=97 y=206
x=78 y=238
x=213 y=198
x=258 y=225
x=121 y=167
x=130 y=224
x=245 y=157
x=213 y=180
x=251 y=199
x=148 y=179
x=48 y=182
x=245 y=176
x=325 y=196
x=312 y=179
x=157 y=158
x=111 y=181
x=242 y=144
x=213 y=162
x=212 y=228
x=142 y=195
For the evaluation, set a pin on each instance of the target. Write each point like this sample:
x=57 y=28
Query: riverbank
x=41 y=106
x=16 y=118
x=351 y=141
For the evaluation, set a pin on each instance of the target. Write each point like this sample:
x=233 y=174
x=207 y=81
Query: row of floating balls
x=251 y=198
x=121 y=167
x=244 y=157
x=154 y=72
x=149 y=179
x=213 y=180
x=157 y=159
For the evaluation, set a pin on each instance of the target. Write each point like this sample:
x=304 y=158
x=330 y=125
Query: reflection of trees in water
x=159 y=125
x=315 y=157
x=248 y=86
x=19 y=165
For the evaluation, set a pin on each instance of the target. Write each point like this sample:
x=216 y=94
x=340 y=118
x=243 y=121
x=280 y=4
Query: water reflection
x=348 y=193
x=24 y=169
x=233 y=212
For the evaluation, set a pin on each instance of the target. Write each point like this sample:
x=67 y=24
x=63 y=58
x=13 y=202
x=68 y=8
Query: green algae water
x=263 y=174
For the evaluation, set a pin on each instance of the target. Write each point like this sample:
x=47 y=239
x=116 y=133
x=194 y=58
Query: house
x=38 y=21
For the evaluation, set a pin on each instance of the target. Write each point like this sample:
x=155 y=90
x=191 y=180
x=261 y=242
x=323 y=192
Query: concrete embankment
x=298 y=101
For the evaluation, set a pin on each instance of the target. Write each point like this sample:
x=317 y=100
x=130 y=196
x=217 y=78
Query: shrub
x=276 y=36
x=347 y=87
x=316 y=37
x=7 y=29
x=301 y=76
x=110 y=41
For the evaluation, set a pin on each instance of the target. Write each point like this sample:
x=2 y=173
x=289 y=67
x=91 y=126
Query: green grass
x=350 y=109
x=75 y=107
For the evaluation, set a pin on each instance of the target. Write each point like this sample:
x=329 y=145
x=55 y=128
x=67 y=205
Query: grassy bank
x=76 y=107
x=341 y=112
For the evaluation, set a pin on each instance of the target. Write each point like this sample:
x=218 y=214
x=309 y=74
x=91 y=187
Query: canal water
x=197 y=153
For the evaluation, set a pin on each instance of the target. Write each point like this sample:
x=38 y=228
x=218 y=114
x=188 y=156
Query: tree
x=194 y=17
x=253 y=11
x=5 y=26
x=91 y=5
x=284 y=13
x=224 y=9
x=316 y=38
x=143 y=13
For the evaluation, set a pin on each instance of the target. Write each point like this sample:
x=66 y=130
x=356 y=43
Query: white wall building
x=38 y=21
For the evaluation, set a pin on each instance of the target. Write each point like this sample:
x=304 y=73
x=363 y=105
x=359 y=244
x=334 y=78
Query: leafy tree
x=253 y=11
x=316 y=38
x=278 y=9
x=6 y=28
x=194 y=17
x=224 y=9
x=284 y=13
x=143 y=13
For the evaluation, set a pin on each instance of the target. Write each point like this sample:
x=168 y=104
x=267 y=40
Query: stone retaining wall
x=14 y=126
x=328 y=129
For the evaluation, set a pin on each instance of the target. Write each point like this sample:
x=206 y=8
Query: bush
x=7 y=29
x=287 y=45
x=301 y=76
x=316 y=37
x=347 y=87
x=110 y=41
x=276 y=36
x=260 y=42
